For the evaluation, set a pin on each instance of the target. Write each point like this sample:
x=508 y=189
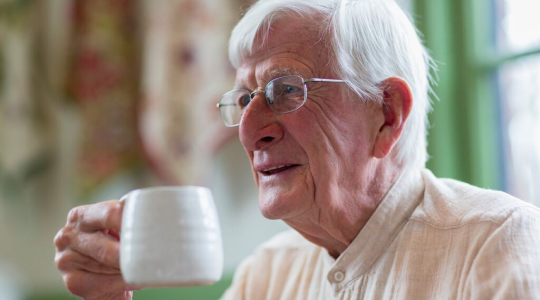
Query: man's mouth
x=277 y=169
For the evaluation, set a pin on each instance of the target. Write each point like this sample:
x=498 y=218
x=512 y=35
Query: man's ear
x=396 y=107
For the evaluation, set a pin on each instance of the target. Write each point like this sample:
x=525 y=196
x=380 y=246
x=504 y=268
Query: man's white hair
x=372 y=41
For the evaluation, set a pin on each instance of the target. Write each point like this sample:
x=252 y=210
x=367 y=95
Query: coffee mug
x=170 y=236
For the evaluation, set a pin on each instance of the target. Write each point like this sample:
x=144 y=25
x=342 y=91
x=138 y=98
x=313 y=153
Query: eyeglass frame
x=258 y=91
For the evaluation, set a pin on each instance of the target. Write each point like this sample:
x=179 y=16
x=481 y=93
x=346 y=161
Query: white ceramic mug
x=170 y=237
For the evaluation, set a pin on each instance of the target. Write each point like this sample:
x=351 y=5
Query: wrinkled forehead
x=290 y=46
x=252 y=33
x=295 y=34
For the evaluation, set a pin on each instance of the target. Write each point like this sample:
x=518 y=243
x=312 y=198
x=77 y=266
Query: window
x=517 y=40
x=486 y=128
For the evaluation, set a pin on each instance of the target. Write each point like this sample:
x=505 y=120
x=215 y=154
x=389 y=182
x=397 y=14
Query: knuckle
x=62 y=262
x=74 y=215
x=62 y=238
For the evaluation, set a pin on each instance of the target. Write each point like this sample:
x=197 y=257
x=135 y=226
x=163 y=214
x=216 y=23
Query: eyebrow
x=273 y=74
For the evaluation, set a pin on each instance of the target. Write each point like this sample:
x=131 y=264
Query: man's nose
x=259 y=128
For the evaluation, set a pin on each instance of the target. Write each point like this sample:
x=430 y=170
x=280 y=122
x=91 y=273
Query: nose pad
x=257 y=91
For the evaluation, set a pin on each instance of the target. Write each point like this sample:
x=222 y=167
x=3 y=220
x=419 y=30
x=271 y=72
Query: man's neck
x=336 y=227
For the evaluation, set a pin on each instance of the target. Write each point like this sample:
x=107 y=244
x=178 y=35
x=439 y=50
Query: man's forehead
x=293 y=34
x=292 y=47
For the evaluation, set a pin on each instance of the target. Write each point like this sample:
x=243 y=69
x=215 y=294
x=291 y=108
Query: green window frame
x=464 y=141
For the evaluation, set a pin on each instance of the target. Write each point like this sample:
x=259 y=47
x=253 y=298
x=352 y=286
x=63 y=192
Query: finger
x=103 y=215
x=63 y=238
x=99 y=247
x=92 y=286
x=69 y=260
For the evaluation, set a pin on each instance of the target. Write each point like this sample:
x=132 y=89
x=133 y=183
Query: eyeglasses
x=283 y=95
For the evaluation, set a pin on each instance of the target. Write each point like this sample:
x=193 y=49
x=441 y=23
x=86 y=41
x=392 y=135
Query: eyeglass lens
x=283 y=94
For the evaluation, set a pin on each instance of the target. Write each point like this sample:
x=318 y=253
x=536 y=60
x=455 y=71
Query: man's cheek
x=309 y=182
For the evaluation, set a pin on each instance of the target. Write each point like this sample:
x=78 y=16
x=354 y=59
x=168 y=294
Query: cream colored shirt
x=428 y=239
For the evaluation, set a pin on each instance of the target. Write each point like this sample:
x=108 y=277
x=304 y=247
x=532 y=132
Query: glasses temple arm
x=322 y=80
x=219 y=105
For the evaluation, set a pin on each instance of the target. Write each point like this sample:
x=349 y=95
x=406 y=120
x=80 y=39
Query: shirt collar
x=382 y=227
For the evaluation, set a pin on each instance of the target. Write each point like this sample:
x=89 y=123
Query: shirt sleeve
x=508 y=264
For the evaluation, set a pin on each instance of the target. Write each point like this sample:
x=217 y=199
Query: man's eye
x=244 y=101
x=291 y=89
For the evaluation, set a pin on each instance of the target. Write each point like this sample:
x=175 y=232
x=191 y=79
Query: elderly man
x=331 y=98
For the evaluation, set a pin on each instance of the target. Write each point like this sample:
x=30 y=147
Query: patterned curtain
x=144 y=77
x=104 y=85
x=186 y=69
x=25 y=118
x=183 y=71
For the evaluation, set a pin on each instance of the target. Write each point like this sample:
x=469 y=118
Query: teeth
x=278 y=167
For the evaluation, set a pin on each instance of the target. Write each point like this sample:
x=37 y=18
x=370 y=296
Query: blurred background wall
x=98 y=97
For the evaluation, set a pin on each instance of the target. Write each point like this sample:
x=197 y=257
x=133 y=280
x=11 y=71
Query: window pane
x=517 y=24
x=520 y=95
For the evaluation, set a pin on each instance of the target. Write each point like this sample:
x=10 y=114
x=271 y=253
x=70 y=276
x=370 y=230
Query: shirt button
x=339 y=276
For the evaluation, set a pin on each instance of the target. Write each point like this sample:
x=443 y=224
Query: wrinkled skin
x=88 y=252
x=337 y=146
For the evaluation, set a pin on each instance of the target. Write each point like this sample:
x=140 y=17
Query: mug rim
x=181 y=188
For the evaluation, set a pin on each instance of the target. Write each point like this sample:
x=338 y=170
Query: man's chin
x=270 y=209
x=271 y=216
x=279 y=208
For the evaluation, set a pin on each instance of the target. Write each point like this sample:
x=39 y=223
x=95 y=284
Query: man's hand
x=88 y=252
